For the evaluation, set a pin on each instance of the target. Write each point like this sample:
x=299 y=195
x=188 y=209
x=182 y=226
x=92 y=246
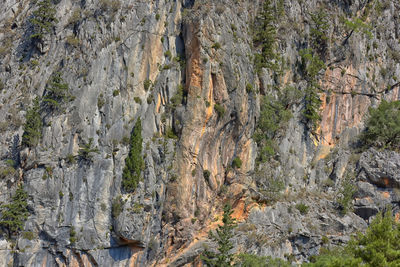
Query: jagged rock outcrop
x=186 y=69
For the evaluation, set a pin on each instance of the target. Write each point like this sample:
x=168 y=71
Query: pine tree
x=33 y=126
x=134 y=162
x=383 y=126
x=379 y=247
x=57 y=92
x=265 y=36
x=222 y=237
x=15 y=213
x=43 y=19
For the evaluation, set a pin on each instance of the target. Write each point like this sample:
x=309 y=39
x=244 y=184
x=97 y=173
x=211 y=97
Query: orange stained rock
x=397 y=217
x=385 y=194
x=386 y=181
x=158 y=103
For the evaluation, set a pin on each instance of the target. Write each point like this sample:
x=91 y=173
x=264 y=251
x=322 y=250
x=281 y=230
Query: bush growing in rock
x=220 y=110
x=43 y=19
x=33 y=126
x=379 y=246
x=15 y=213
x=303 y=208
x=57 y=92
x=134 y=162
x=222 y=236
x=383 y=126
x=237 y=163
x=86 y=150
x=274 y=115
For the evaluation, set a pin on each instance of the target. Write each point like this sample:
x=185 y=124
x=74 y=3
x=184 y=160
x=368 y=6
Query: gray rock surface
x=107 y=51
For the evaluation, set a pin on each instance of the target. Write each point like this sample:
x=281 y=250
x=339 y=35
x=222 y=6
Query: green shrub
x=379 y=246
x=216 y=46
x=312 y=65
x=150 y=99
x=274 y=116
x=303 y=208
x=251 y=260
x=220 y=110
x=100 y=101
x=72 y=235
x=249 y=88
x=146 y=84
x=15 y=212
x=265 y=38
x=33 y=126
x=117 y=206
x=115 y=92
x=43 y=19
x=86 y=150
x=137 y=207
x=383 y=126
x=169 y=133
x=168 y=54
x=206 y=174
x=57 y=92
x=319 y=32
x=137 y=100
x=177 y=99
x=134 y=163
x=222 y=236
x=346 y=194
x=28 y=235
x=237 y=163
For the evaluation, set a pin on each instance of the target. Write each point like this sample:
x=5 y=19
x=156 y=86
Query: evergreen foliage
x=220 y=110
x=134 y=162
x=379 y=246
x=43 y=19
x=312 y=65
x=319 y=32
x=265 y=37
x=57 y=92
x=33 y=126
x=250 y=260
x=86 y=150
x=383 y=126
x=274 y=116
x=346 y=194
x=222 y=237
x=15 y=213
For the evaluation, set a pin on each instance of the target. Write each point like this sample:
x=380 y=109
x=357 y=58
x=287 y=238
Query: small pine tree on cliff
x=222 y=237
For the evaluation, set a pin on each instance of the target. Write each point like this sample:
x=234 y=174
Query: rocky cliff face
x=184 y=68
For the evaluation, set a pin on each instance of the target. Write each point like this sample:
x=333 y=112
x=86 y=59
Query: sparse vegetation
x=220 y=110
x=222 y=236
x=43 y=20
x=86 y=150
x=117 y=206
x=274 y=116
x=72 y=235
x=33 y=126
x=379 y=246
x=15 y=212
x=134 y=163
x=146 y=84
x=312 y=65
x=237 y=163
x=303 y=208
x=383 y=126
x=57 y=92
x=265 y=38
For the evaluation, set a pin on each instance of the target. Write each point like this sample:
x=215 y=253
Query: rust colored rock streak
x=208 y=142
x=345 y=106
